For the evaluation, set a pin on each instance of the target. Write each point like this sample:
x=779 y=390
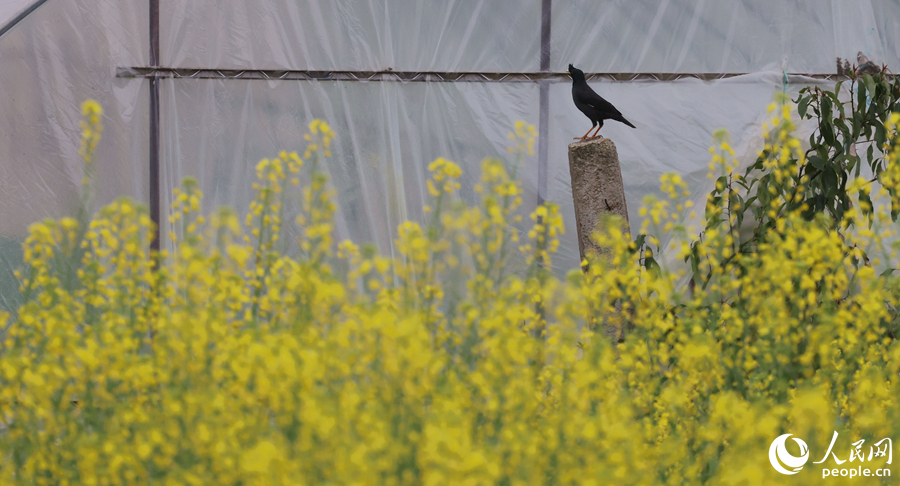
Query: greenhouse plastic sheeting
x=708 y=36
x=388 y=132
x=58 y=56
x=10 y=9
x=359 y=35
x=504 y=35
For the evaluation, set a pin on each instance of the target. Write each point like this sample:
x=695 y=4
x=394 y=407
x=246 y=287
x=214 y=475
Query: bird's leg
x=585 y=134
x=596 y=132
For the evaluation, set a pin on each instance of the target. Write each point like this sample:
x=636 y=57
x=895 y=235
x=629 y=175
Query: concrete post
x=597 y=189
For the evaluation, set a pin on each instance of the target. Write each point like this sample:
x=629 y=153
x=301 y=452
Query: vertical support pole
x=154 y=123
x=543 y=141
x=544 y=117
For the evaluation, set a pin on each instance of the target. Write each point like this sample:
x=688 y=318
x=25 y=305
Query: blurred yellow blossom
x=261 y=351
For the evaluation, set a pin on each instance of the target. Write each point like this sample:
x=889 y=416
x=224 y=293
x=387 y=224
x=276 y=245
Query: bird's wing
x=584 y=94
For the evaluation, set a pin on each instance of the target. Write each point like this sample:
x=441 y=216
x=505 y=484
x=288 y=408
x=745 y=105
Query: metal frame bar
x=154 y=124
x=21 y=16
x=544 y=78
x=544 y=102
x=423 y=76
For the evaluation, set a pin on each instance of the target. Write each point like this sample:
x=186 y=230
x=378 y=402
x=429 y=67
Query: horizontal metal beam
x=421 y=76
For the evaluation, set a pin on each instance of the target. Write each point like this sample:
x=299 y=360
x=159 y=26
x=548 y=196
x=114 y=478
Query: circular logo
x=779 y=455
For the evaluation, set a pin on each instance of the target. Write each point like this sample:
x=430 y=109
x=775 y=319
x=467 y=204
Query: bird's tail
x=622 y=119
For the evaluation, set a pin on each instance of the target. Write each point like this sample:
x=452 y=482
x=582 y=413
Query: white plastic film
x=707 y=36
x=217 y=130
x=10 y=9
x=386 y=135
x=361 y=35
x=55 y=58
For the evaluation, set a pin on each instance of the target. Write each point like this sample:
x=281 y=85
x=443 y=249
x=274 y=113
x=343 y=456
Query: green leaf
x=803 y=105
x=763 y=191
x=861 y=99
x=822 y=151
x=639 y=242
x=723 y=182
x=845 y=131
x=866 y=205
x=715 y=202
x=827 y=129
x=758 y=165
x=840 y=107
x=651 y=265
x=816 y=161
x=819 y=203
x=829 y=180
x=870 y=83
x=826 y=109
x=880 y=135
x=811 y=209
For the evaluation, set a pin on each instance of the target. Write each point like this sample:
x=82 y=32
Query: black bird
x=591 y=104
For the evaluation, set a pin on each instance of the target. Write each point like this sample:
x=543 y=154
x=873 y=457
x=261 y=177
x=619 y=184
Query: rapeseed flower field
x=261 y=351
